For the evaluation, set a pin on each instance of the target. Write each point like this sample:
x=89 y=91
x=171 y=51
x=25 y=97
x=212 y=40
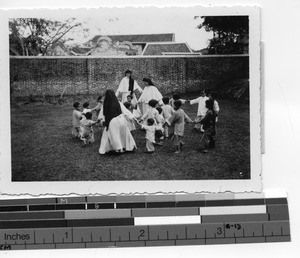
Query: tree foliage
x=33 y=36
x=230 y=33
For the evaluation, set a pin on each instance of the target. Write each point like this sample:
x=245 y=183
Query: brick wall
x=78 y=75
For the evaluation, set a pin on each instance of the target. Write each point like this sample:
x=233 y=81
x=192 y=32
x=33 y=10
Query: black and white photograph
x=135 y=95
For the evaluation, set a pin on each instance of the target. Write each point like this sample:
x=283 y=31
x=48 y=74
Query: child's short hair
x=152 y=103
x=86 y=104
x=166 y=100
x=209 y=104
x=150 y=121
x=203 y=91
x=176 y=96
x=159 y=109
x=88 y=115
x=177 y=103
x=127 y=104
x=99 y=98
x=76 y=104
x=130 y=96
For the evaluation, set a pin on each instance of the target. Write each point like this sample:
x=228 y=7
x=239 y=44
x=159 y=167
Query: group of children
x=83 y=123
x=159 y=122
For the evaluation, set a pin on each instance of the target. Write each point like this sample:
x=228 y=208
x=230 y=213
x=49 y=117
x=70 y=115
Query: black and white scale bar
x=131 y=236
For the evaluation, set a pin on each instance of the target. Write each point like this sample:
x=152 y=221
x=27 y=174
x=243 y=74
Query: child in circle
x=133 y=107
x=99 y=105
x=216 y=108
x=77 y=116
x=207 y=140
x=150 y=134
x=201 y=109
x=167 y=112
x=130 y=122
x=86 y=108
x=86 y=129
x=177 y=121
x=151 y=112
x=176 y=96
x=159 y=134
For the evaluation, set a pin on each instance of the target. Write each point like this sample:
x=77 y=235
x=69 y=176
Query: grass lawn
x=44 y=150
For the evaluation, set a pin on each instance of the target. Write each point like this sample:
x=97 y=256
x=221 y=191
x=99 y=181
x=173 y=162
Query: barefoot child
x=150 y=134
x=159 y=134
x=201 y=109
x=209 y=122
x=77 y=115
x=167 y=113
x=177 y=120
x=86 y=129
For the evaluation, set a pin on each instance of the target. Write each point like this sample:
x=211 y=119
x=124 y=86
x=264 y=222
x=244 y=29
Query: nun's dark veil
x=111 y=107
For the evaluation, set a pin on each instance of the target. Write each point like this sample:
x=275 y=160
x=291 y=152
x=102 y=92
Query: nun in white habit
x=128 y=86
x=149 y=92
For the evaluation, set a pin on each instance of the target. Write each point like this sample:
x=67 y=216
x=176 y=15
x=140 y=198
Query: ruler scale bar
x=143 y=220
x=214 y=233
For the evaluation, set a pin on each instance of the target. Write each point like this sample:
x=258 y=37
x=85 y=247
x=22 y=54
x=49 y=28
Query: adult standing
x=149 y=92
x=128 y=86
x=116 y=135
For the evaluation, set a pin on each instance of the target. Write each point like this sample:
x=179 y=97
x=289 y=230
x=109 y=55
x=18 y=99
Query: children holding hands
x=77 y=115
x=201 y=109
x=156 y=121
x=86 y=129
x=209 y=125
x=150 y=128
x=177 y=121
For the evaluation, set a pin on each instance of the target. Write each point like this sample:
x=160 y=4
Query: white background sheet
x=280 y=32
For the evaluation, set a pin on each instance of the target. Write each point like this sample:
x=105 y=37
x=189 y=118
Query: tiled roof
x=158 y=49
x=139 y=38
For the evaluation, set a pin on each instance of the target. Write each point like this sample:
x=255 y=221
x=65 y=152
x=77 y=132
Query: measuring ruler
x=130 y=221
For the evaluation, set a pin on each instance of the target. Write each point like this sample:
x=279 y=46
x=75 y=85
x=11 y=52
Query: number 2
x=142 y=233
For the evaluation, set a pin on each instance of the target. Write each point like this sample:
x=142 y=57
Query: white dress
x=150 y=92
x=124 y=90
x=118 y=136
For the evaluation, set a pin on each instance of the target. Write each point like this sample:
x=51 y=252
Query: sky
x=118 y=21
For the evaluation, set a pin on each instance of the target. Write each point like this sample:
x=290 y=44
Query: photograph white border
x=133 y=187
